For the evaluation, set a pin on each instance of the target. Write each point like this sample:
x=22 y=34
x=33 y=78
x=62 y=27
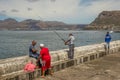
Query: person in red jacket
x=45 y=59
x=29 y=67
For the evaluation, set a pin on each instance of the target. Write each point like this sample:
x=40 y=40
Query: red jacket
x=44 y=53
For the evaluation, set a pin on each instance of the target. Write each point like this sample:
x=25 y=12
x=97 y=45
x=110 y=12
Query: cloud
x=53 y=0
x=2 y=14
x=3 y=11
x=85 y=3
x=29 y=9
x=43 y=8
x=32 y=0
x=69 y=11
x=92 y=8
x=14 y=10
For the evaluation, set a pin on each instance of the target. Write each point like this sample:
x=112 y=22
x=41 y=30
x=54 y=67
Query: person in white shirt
x=70 y=43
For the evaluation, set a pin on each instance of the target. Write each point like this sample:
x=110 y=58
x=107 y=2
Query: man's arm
x=40 y=57
x=34 y=50
x=66 y=42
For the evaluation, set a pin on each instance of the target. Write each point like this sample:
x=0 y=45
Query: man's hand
x=36 y=50
x=66 y=43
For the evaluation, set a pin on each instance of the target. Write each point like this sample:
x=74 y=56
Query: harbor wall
x=12 y=68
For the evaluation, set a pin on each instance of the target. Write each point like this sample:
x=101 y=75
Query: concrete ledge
x=11 y=69
x=21 y=75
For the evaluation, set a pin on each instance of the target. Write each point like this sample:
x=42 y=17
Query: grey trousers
x=71 y=51
x=107 y=47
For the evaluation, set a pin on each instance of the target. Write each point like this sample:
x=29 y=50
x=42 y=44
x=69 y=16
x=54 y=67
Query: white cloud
x=69 y=11
x=90 y=12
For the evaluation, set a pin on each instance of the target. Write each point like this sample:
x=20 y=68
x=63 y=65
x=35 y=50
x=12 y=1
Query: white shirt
x=71 y=38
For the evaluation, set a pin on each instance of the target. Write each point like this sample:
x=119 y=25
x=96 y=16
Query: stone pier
x=104 y=68
x=12 y=68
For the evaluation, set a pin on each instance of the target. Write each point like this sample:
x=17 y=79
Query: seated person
x=29 y=67
x=33 y=51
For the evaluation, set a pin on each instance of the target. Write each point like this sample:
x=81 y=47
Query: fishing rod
x=59 y=36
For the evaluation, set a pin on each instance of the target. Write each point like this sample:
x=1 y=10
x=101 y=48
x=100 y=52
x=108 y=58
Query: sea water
x=16 y=43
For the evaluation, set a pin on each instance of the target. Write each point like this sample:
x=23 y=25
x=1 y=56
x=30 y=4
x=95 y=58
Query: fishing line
x=59 y=36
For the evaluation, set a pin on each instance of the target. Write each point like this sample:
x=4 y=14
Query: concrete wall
x=12 y=68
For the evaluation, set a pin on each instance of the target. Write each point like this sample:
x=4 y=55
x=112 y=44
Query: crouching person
x=45 y=59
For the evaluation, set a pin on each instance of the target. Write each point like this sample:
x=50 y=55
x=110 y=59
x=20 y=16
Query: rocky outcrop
x=29 y=24
x=106 y=20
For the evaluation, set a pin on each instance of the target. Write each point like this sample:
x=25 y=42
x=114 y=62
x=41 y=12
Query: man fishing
x=107 y=40
x=70 y=43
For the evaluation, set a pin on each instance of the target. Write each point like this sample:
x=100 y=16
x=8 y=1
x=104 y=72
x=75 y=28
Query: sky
x=68 y=11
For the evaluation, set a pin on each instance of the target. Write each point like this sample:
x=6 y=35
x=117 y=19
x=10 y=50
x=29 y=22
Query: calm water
x=16 y=43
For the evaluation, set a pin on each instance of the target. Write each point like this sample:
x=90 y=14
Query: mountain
x=29 y=24
x=106 y=20
x=8 y=23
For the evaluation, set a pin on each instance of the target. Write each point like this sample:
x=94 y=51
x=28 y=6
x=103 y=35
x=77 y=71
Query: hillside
x=29 y=24
x=106 y=20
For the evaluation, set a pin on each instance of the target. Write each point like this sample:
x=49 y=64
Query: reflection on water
x=16 y=43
